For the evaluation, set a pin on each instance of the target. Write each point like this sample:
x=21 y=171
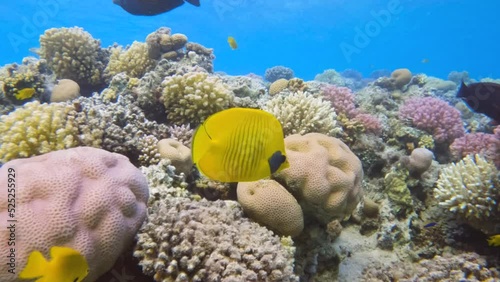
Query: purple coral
x=277 y=72
x=435 y=117
x=488 y=145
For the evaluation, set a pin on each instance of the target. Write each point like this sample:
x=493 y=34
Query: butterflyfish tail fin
x=35 y=267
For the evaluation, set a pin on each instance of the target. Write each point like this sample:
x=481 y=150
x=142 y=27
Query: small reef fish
x=25 y=93
x=482 y=97
x=431 y=224
x=66 y=265
x=425 y=61
x=152 y=7
x=232 y=42
x=494 y=240
x=238 y=145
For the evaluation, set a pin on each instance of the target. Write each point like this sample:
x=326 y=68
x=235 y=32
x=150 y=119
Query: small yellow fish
x=238 y=145
x=66 y=265
x=425 y=61
x=494 y=240
x=25 y=93
x=232 y=42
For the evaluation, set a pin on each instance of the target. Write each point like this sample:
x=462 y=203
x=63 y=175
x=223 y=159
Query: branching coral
x=72 y=53
x=302 y=113
x=192 y=97
x=36 y=129
x=186 y=240
x=134 y=61
x=469 y=189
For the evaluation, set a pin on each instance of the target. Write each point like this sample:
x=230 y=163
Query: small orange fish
x=232 y=42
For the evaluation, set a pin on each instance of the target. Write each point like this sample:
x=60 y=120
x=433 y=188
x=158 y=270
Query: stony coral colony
x=373 y=161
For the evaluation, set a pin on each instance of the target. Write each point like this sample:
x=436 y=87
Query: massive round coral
x=84 y=198
x=324 y=175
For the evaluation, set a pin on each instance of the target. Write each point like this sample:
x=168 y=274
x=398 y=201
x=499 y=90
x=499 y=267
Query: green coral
x=395 y=183
x=302 y=113
x=426 y=141
x=469 y=189
x=134 y=61
x=194 y=96
x=72 y=53
x=36 y=129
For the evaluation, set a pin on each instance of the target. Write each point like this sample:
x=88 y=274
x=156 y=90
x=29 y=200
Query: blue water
x=309 y=36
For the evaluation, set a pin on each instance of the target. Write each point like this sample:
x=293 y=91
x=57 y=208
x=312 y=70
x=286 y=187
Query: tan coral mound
x=177 y=153
x=85 y=198
x=269 y=203
x=324 y=175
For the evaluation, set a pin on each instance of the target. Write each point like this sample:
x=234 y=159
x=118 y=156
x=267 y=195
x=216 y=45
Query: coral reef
x=487 y=145
x=178 y=154
x=134 y=61
x=31 y=73
x=84 y=198
x=187 y=240
x=301 y=113
x=277 y=72
x=64 y=90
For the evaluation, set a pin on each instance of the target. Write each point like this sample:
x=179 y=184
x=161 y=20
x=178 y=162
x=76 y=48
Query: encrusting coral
x=301 y=113
x=84 y=198
x=194 y=96
x=72 y=53
x=187 y=240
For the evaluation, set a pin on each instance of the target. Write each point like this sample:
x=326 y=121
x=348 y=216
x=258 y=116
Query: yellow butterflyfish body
x=494 y=240
x=66 y=265
x=238 y=145
x=25 y=93
x=232 y=42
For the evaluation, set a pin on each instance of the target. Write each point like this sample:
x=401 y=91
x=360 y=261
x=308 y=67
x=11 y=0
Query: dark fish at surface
x=482 y=97
x=152 y=7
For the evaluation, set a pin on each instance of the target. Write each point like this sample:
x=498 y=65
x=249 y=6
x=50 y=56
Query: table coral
x=325 y=176
x=72 y=53
x=301 y=113
x=36 y=129
x=84 y=198
x=194 y=96
x=185 y=240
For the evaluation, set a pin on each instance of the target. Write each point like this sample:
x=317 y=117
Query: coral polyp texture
x=84 y=198
x=72 y=53
x=469 y=189
x=187 y=240
x=301 y=113
x=324 y=175
x=36 y=129
x=194 y=96
x=434 y=116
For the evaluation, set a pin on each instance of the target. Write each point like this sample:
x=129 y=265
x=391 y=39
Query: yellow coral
x=278 y=86
x=303 y=113
x=192 y=97
x=36 y=129
x=134 y=61
x=72 y=53
x=297 y=84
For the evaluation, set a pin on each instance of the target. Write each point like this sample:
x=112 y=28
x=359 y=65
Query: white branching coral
x=301 y=113
x=469 y=188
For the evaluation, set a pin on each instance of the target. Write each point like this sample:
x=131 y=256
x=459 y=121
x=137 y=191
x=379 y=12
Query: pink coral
x=435 y=117
x=485 y=144
x=370 y=123
x=85 y=198
x=342 y=100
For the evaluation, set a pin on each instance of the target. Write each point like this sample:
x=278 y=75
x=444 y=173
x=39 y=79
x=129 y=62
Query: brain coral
x=187 y=240
x=72 y=53
x=192 y=97
x=303 y=113
x=469 y=189
x=269 y=203
x=36 y=129
x=324 y=175
x=85 y=198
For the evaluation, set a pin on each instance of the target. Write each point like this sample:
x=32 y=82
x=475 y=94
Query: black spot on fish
x=482 y=97
x=275 y=161
x=152 y=7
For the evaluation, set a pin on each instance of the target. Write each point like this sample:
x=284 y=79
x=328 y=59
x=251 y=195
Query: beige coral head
x=324 y=175
x=270 y=204
x=65 y=90
x=278 y=86
x=401 y=77
x=177 y=153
